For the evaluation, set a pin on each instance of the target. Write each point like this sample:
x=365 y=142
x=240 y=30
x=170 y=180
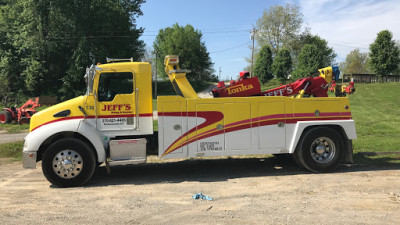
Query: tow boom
x=315 y=86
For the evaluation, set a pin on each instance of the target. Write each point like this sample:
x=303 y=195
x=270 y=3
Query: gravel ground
x=5 y=138
x=244 y=191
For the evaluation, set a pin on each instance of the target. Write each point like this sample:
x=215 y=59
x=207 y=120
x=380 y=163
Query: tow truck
x=113 y=123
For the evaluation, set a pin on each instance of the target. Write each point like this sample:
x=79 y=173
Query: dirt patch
x=245 y=191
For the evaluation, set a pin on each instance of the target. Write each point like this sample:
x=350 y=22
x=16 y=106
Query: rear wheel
x=68 y=162
x=321 y=149
x=5 y=117
x=296 y=160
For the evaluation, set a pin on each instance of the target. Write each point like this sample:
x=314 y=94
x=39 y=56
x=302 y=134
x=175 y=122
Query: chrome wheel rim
x=67 y=164
x=323 y=150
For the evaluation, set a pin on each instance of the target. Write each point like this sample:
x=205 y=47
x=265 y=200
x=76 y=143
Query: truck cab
x=117 y=105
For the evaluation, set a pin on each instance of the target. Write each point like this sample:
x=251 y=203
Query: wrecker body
x=113 y=124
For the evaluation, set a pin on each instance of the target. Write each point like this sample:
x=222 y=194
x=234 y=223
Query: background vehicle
x=23 y=114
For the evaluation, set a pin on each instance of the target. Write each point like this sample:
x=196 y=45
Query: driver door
x=116 y=103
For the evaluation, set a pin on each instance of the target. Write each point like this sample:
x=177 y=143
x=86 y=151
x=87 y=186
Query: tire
x=321 y=149
x=24 y=120
x=5 y=117
x=68 y=162
x=30 y=113
x=296 y=160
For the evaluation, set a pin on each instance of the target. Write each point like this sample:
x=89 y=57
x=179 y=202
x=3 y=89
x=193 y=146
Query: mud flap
x=348 y=157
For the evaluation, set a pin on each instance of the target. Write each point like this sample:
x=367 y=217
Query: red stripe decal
x=239 y=122
x=270 y=117
x=346 y=114
x=58 y=120
x=210 y=117
x=92 y=117
x=248 y=123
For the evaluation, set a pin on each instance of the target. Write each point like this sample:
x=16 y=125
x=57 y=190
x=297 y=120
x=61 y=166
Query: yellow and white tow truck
x=113 y=124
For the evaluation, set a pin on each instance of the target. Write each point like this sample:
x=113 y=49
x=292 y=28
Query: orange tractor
x=20 y=115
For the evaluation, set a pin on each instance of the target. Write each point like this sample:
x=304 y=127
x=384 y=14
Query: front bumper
x=29 y=160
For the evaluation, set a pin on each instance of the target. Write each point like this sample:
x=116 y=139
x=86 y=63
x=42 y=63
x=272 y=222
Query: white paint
x=275 y=139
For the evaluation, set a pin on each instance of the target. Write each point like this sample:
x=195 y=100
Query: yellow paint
x=178 y=77
x=343 y=89
x=239 y=88
x=301 y=93
x=326 y=73
x=46 y=116
x=235 y=111
x=142 y=75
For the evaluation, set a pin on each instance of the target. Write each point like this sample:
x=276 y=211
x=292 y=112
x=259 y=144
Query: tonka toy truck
x=113 y=124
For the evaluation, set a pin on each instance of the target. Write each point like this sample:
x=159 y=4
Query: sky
x=226 y=24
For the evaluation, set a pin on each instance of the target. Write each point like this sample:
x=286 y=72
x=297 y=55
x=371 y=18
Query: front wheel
x=68 y=162
x=321 y=149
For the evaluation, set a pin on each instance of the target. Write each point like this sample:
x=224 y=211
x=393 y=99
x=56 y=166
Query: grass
x=13 y=128
x=155 y=125
x=12 y=150
x=375 y=109
x=372 y=158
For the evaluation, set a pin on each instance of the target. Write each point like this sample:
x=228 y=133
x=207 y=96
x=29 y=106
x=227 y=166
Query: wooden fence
x=370 y=78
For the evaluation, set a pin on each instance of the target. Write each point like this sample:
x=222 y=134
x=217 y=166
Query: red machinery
x=240 y=88
x=342 y=90
x=315 y=86
x=243 y=87
x=332 y=86
x=21 y=115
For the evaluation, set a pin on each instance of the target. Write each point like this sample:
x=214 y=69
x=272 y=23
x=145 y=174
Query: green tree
x=187 y=44
x=326 y=53
x=356 y=62
x=55 y=40
x=282 y=65
x=11 y=85
x=397 y=71
x=263 y=65
x=279 y=26
x=308 y=62
x=384 y=54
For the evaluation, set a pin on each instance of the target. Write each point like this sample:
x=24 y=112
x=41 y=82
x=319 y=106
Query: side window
x=111 y=84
